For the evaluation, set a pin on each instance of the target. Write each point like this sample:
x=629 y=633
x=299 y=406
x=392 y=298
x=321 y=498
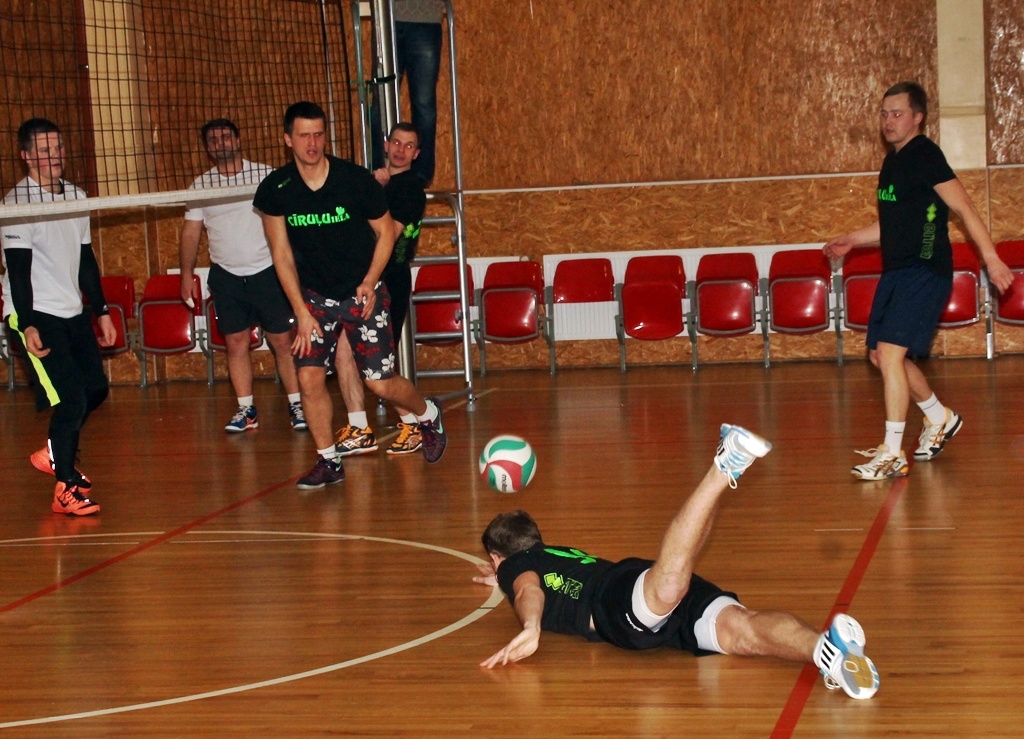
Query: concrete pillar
x=961 y=49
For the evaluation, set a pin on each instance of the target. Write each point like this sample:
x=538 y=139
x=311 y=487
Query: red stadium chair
x=726 y=291
x=166 y=325
x=1010 y=304
x=212 y=340
x=799 y=283
x=862 y=269
x=577 y=281
x=725 y=295
x=963 y=307
x=435 y=309
x=651 y=300
x=510 y=306
x=435 y=313
x=798 y=289
x=119 y=290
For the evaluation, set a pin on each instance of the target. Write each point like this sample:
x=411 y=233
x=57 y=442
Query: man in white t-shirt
x=242 y=280
x=48 y=265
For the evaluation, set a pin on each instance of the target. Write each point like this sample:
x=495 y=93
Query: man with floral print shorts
x=330 y=235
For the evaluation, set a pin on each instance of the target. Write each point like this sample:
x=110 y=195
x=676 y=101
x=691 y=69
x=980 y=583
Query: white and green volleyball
x=508 y=463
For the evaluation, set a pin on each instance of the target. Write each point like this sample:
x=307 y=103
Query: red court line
x=809 y=676
x=142 y=547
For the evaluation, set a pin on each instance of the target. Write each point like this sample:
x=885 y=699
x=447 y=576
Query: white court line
x=39 y=544
x=492 y=601
x=898 y=528
x=5 y=542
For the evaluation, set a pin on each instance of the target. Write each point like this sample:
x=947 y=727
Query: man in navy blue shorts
x=916 y=191
x=644 y=604
x=330 y=235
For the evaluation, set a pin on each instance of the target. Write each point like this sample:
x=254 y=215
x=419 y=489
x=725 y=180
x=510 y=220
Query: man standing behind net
x=916 y=191
x=49 y=264
x=242 y=279
x=331 y=236
x=406 y=203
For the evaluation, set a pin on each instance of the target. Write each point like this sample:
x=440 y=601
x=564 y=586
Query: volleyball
x=508 y=463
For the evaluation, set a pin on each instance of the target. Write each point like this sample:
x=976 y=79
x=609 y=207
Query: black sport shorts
x=616 y=623
x=241 y=302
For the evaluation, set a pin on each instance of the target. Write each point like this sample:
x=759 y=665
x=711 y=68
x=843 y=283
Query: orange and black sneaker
x=408 y=441
x=351 y=440
x=69 y=500
x=43 y=461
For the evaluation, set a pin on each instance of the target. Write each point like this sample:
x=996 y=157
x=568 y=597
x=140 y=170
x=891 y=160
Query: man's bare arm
x=529 y=607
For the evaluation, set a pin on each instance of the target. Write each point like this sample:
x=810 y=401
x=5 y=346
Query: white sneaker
x=843 y=662
x=935 y=435
x=883 y=465
x=737 y=450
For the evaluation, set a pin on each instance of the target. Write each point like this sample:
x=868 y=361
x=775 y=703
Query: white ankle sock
x=245 y=401
x=294 y=398
x=408 y=418
x=430 y=414
x=358 y=420
x=329 y=453
x=894 y=436
x=933 y=410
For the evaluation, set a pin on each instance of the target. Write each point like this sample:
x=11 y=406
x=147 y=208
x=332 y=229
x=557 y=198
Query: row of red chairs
x=168 y=326
x=800 y=295
x=165 y=324
x=795 y=297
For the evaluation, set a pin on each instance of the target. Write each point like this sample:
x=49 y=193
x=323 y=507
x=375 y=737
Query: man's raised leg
x=667 y=581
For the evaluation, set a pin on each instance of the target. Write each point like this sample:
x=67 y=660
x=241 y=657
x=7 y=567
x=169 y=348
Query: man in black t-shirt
x=406 y=203
x=331 y=236
x=916 y=191
x=640 y=604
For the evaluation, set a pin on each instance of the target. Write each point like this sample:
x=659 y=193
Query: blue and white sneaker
x=737 y=450
x=297 y=416
x=843 y=662
x=243 y=420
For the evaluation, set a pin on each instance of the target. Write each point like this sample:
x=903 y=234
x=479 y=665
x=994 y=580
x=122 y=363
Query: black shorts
x=906 y=310
x=616 y=623
x=242 y=302
x=398 y=278
x=74 y=365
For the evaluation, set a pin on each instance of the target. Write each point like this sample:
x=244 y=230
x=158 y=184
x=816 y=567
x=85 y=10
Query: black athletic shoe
x=433 y=435
x=324 y=472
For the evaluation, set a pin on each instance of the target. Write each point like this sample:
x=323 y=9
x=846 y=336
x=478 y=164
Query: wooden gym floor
x=212 y=598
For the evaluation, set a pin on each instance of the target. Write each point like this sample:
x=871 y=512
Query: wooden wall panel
x=601 y=91
x=1006 y=188
x=1005 y=42
x=574 y=92
x=45 y=34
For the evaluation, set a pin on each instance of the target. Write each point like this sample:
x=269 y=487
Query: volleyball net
x=131 y=83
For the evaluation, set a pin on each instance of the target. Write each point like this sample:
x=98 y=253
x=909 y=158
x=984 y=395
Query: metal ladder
x=385 y=66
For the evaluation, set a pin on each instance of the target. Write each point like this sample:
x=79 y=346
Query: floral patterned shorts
x=371 y=340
